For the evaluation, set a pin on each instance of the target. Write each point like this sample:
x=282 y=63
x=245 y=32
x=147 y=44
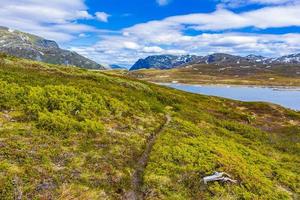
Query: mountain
x=276 y=75
x=114 y=66
x=24 y=45
x=226 y=59
x=289 y=59
x=250 y=60
x=229 y=69
x=67 y=133
x=163 y=62
x=171 y=61
x=256 y=58
x=220 y=59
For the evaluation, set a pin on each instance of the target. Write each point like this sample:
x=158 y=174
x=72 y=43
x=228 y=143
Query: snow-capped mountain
x=226 y=59
x=170 y=61
x=221 y=59
x=163 y=61
x=289 y=59
x=256 y=58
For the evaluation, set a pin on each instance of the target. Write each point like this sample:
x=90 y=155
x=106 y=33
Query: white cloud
x=83 y=15
x=168 y=36
x=153 y=49
x=131 y=45
x=102 y=16
x=237 y=3
x=272 y=1
x=112 y=49
x=222 y=19
x=59 y=21
x=53 y=19
x=163 y=2
x=82 y=35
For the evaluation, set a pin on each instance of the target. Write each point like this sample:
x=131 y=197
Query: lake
x=289 y=98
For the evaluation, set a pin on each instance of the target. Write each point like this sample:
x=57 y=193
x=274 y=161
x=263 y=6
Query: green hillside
x=70 y=133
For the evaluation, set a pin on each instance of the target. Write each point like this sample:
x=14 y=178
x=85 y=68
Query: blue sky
x=120 y=32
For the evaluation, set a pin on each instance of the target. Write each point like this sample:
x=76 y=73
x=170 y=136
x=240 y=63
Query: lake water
x=289 y=98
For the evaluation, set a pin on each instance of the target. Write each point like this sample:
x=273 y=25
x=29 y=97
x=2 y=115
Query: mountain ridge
x=169 y=61
x=25 y=45
x=163 y=61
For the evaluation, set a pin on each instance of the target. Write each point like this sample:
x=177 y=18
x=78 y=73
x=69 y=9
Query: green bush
x=116 y=107
x=10 y=95
x=91 y=127
x=56 y=121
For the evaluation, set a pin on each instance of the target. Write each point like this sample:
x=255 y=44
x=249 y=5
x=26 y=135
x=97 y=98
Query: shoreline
x=276 y=87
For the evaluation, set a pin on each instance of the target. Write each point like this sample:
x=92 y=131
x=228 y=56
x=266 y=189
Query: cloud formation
x=55 y=19
x=169 y=36
x=238 y=3
x=222 y=19
x=102 y=16
x=126 y=50
x=218 y=31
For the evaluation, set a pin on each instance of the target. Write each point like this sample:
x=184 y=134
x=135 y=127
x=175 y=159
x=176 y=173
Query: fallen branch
x=219 y=176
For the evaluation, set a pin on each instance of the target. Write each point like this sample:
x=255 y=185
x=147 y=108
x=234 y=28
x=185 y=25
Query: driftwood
x=219 y=176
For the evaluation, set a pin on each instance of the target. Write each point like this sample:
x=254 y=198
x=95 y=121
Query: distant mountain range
x=114 y=66
x=33 y=47
x=226 y=60
x=24 y=45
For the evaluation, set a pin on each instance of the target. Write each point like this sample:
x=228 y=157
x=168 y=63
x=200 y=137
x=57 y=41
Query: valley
x=71 y=133
x=150 y=100
x=287 y=76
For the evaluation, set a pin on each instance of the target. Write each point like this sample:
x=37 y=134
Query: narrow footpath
x=137 y=177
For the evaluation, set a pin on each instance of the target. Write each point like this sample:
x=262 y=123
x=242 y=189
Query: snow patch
x=245 y=67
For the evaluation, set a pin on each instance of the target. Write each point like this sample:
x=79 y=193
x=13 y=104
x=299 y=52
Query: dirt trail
x=137 y=177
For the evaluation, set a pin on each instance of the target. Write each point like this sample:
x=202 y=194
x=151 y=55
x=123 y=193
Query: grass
x=69 y=133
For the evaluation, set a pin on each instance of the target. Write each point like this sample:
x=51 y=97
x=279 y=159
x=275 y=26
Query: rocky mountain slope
x=289 y=59
x=163 y=61
x=219 y=59
x=33 y=47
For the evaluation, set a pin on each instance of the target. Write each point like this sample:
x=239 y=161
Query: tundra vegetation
x=277 y=75
x=70 y=133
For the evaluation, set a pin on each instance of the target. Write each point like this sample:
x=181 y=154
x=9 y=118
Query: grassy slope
x=67 y=133
x=209 y=74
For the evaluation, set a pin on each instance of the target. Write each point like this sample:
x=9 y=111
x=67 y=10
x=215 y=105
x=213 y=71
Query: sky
x=122 y=31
